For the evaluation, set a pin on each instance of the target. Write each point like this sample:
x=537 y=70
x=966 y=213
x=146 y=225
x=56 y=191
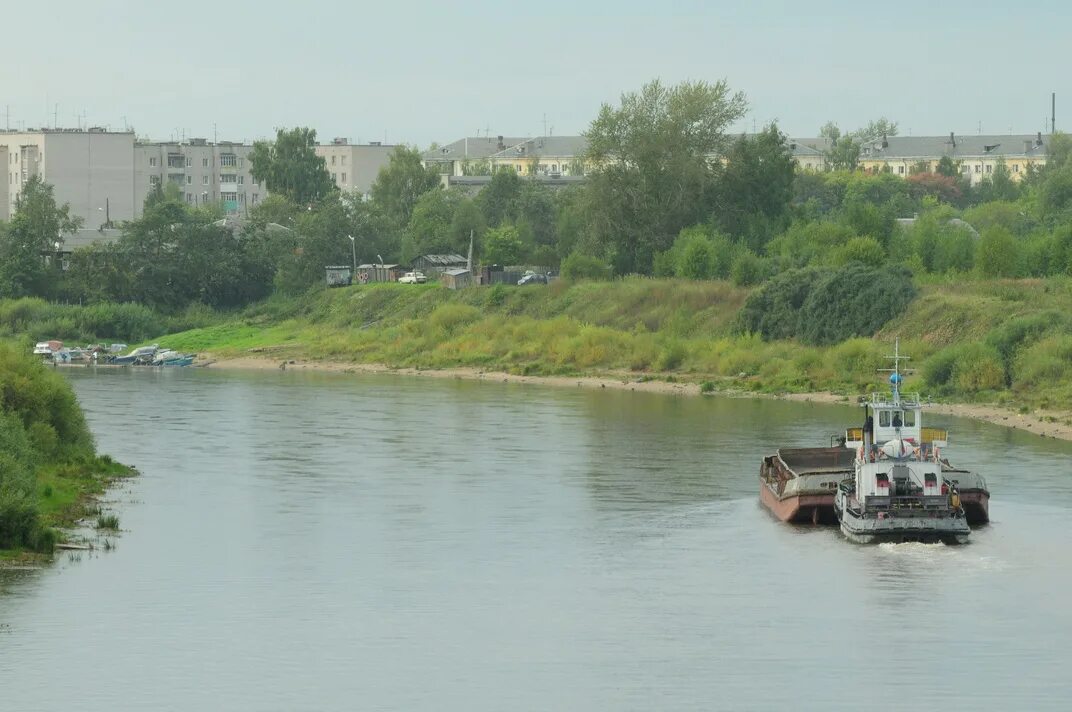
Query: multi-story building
x=468 y=156
x=91 y=170
x=205 y=173
x=554 y=156
x=354 y=167
x=975 y=156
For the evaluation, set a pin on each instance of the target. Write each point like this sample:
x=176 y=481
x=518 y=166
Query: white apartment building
x=89 y=169
x=205 y=173
x=354 y=167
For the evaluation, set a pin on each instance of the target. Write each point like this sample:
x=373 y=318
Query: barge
x=801 y=484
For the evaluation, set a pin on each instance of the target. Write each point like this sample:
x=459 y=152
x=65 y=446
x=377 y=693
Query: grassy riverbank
x=51 y=477
x=1007 y=342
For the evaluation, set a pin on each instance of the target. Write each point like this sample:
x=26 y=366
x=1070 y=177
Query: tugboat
x=899 y=491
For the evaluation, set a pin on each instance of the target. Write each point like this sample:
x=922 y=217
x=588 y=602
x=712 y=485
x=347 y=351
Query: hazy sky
x=418 y=72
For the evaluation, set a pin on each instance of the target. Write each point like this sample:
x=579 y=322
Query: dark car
x=532 y=278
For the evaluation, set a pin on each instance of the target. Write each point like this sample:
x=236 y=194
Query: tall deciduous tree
x=756 y=187
x=35 y=231
x=401 y=183
x=289 y=166
x=655 y=155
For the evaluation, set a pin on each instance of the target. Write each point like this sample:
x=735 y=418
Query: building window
x=189 y=161
x=900 y=169
x=152 y=160
x=333 y=179
x=189 y=197
x=1016 y=168
x=241 y=162
x=229 y=197
x=204 y=163
x=228 y=159
x=343 y=160
x=989 y=168
x=255 y=198
x=189 y=180
x=241 y=180
x=333 y=160
x=978 y=168
x=518 y=168
x=153 y=180
x=343 y=177
x=204 y=180
x=228 y=178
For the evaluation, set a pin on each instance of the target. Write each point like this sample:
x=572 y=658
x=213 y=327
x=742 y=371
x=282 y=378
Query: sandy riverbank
x=1051 y=424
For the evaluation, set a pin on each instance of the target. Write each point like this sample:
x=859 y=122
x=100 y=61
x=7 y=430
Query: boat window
x=910 y=418
x=884 y=418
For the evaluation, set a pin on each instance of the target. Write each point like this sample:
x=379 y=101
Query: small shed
x=339 y=276
x=456 y=278
x=369 y=273
x=436 y=264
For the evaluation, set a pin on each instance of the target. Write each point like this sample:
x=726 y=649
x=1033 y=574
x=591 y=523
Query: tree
x=36 y=230
x=289 y=166
x=876 y=129
x=756 y=186
x=429 y=228
x=947 y=167
x=655 y=166
x=503 y=246
x=844 y=154
x=401 y=183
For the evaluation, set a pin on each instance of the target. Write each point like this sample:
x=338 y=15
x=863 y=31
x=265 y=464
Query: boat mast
x=895 y=372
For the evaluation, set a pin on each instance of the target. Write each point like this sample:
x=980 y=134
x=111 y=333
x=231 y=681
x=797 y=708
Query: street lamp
x=381 y=274
x=353 y=248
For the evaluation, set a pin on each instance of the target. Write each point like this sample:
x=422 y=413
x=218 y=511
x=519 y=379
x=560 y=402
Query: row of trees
x=674 y=193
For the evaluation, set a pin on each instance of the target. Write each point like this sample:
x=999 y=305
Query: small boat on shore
x=804 y=484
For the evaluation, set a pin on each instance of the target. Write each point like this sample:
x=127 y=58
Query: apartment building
x=90 y=169
x=354 y=167
x=544 y=156
x=205 y=173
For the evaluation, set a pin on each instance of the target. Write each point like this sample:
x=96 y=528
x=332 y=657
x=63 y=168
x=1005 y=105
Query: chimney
x=1038 y=139
x=502 y=146
x=952 y=139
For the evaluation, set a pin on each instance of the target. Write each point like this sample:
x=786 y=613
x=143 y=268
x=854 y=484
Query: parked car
x=413 y=278
x=532 y=278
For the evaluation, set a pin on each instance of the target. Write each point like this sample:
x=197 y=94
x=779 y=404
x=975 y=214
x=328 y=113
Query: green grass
x=662 y=328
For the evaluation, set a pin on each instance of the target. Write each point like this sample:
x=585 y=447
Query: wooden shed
x=456 y=278
x=436 y=264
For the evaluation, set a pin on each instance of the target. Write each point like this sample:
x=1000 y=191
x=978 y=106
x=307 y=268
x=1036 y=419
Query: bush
x=578 y=266
x=773 y=310
x=748 y=269
x=965 y=368
x=854 y=300
x=865 y=250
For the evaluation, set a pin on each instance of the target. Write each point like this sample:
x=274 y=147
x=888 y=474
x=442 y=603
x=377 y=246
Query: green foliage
x=748 y=269
x=827 y=307
x=998 y=254
x=865 y=250
x=35 y=230
x=290 y=167
x=401 y=183
x=654 y=174
x=579 y=266
x=503 y=246
x=967 y=368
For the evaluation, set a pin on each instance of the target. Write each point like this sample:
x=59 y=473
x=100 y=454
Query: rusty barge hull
x=798 y=485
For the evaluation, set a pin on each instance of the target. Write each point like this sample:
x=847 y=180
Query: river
x=302 y=541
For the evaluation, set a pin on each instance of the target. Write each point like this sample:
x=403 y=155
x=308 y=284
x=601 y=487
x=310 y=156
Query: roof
x=377 y=266
x=559 y=146
x=85 y=237
x=456 y=272
x=956 y=222
x=482 y=181
x=978 y=146
x=470 y=148
x=443 y=259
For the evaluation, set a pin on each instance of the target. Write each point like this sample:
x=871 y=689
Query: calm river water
x=329 y=542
